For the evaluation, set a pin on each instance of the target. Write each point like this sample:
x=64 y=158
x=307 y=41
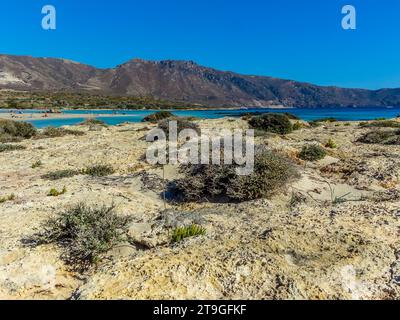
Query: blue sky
x=300 y=40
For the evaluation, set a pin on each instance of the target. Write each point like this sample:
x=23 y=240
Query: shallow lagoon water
x=343 y=114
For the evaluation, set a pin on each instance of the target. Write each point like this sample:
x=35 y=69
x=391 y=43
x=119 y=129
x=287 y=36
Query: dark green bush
x=84 y=233
x=381 y=137
x=182 y=124
x=17 y=129
x=60 y=174
x=99 y=170
x=93 y=122
x=272 y=122
x=10 y=147
x=221 y=182
x=155 y=117
x=312 y=152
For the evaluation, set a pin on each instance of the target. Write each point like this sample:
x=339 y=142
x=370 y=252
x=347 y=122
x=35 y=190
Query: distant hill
x=181 y=81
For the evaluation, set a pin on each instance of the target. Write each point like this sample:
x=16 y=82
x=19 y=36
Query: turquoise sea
x=343 y=114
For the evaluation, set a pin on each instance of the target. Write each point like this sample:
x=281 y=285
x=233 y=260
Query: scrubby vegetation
x=84 y=233
x=297 y=126
x=388 y=137
x=52 y=132
x=272 y=122
x=98 y=170
x=93 y=122
x=60 y=174
x=14 y=131
x=182 y=124
x=36 y=164
x=331 y=144
x=222 y=183
x=55 y=193
x=312 y=152
x=381 y=124
x=11 y=197
x=155 y=117
x=181 y=233
x=10 y=147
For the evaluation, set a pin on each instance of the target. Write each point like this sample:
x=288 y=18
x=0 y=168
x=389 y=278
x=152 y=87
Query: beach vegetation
x=272 y=122
x=312 y=152
x=179 y=234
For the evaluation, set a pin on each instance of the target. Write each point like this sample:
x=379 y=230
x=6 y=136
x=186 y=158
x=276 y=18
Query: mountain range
x=181 y=81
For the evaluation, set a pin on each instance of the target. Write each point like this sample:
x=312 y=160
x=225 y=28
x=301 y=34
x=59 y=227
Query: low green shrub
x=84 y=233
x=10 y=147
x=17 y=129
x=331 y=144
x=272 y=122
x=297 y=126
x=381 y=124
x=93 y=122
x=11 y=197
x=36 y=164
x=182 y=124
x=55 y=193
x=181 y=233
x=312 y=152
x=381 y=137
x=222 y=183
x=99 y=170
x=60 y=174
x=52 y=132
x=155 y=117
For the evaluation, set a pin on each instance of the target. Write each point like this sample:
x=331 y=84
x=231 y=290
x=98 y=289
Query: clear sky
x=294 y=39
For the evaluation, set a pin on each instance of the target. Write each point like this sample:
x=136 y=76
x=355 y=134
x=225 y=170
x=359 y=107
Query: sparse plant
x=84 y=233
x=272 y=122
x=55 y=193
x=36 y=164
x=10 y=147
x=297 y=125
x=52 y=132
x=381 y=137
x=155 y=117
x=11 y=197
x=331 y=144
x=181 y=233
x=312 y=152
x=381 y=124
x=182 y=124
x=60 y=174
x=93 y=122
x=17 y=129
x=99 y=170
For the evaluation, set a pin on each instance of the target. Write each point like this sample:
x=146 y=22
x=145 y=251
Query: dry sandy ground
x=316 y=248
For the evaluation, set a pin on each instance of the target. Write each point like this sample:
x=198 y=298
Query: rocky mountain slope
x=183 y=81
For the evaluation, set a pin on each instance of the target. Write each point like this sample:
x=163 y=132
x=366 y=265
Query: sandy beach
x=262 y=249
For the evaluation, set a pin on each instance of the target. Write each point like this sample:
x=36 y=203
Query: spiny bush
x=272 y=122
x=312 y=152
x=182 y=124
x=193 y=230
x=55 y=193
x=155 y=117
x=331 y=144
x=98 y=170
x=10 y=147
x=222 y=183
x=381 y=137
x=60 y=174
x=93 y=122
x=19 y=129
x=11 y=197
x=381 y=124
x=52 y=132
x=84 y=233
